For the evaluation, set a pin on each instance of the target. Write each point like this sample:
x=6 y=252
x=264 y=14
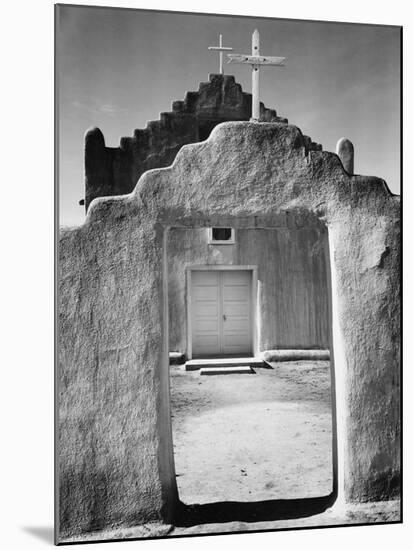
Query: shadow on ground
x=43 y=533
x=266 y=510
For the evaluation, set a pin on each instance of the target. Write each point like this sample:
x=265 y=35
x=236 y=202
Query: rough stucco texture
x=115 y=455
x=292 y=279
x=116 y=170
x=345 y=152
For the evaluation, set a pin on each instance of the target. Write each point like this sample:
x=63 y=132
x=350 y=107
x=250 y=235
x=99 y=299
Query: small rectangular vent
x=221 y=235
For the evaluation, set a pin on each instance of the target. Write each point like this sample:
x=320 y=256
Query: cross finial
x=255 y=60
x=220 y=49
x=255 y=42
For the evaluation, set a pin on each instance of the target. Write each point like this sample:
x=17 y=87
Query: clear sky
x=119 y=68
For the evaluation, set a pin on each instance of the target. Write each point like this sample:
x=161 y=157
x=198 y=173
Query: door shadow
x=188 y=515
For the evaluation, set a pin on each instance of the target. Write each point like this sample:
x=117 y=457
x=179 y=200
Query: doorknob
x=224 y=317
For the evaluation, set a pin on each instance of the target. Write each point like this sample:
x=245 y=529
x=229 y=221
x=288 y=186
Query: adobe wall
x=115 y=170
x=115 y=459
x=292 y=272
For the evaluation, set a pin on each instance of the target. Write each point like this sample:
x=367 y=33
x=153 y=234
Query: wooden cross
x=256 y=60
x=220 y=49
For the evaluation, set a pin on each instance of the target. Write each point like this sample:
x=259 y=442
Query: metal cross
x=256 y=60
x=220 y=49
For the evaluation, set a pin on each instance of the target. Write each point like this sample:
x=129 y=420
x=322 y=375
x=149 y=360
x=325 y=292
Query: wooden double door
x=221 y=313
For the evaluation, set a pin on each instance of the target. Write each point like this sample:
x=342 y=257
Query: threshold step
x=208 y=371
x=196 y=364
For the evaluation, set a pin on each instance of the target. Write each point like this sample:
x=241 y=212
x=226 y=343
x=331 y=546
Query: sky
x=118 y=69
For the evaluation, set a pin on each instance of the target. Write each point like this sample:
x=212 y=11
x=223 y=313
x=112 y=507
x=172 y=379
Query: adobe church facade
x=314 y=251
x=115 y=171
x=279 y=276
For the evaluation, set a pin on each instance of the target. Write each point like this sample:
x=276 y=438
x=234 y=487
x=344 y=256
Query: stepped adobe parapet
x=115 y=170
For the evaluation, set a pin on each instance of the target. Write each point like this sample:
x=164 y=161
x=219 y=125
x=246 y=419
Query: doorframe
x=254 y=300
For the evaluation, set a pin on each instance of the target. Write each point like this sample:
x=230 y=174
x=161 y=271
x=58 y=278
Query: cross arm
x=256 y=59
x=220 y=48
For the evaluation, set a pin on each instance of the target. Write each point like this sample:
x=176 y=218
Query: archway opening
x=266 y=439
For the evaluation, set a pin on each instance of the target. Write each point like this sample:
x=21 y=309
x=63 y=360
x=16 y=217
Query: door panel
x=236 y=325
x=221 y=313
x=234 y=278
x=206 y=293
x=236 y=310
x=203 y=345
x=205 y=312
x=235 y=294
x=209 y=309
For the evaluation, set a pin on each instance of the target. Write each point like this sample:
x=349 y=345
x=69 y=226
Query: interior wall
x=292 y=302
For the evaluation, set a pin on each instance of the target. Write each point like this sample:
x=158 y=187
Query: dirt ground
x=253 y=437
x=372 y=512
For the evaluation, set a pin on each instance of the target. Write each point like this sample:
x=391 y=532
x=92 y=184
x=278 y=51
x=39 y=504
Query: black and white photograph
x=228 y=274
x=206 y=308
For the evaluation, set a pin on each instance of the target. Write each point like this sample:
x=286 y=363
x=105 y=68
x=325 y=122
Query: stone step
x=196 y=364
x=208 y=371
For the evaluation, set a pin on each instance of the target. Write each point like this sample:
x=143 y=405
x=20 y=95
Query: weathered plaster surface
x=115 y=453
x=112 y=431
x=345 y=152
x=116 y=170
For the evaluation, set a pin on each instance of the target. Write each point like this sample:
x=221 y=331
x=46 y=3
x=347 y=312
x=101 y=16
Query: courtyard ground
x=249 y=438
x=253 y=437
